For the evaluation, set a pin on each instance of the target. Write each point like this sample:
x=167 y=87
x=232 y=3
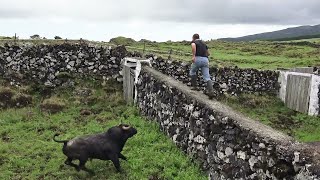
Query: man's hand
x=193 y=59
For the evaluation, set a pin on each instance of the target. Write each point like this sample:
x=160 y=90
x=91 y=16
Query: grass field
x=271 y=111
x=313 y=40
x=28 y=152
x=260 y=55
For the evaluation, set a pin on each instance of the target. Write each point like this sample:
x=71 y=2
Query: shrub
x=21 y=100
x=122 y=41
x=5 y=97
x=53 y=105
x=57 y=37
x=36 y=36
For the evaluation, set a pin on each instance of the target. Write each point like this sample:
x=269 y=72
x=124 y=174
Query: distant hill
x=289 y=33
x=302 y=38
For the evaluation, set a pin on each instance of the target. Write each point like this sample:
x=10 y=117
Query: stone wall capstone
x=227 y=144
x=228 y=80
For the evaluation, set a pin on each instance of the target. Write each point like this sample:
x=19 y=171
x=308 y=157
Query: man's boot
x=194 y=82
x=209 y=90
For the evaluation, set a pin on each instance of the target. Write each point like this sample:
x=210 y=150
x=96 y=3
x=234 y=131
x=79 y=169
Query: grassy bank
x=28 y=152
x=272 y=112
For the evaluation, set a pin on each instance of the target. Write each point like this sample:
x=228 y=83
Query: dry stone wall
x=226 y=80
x=227 y=144
x=52 y=65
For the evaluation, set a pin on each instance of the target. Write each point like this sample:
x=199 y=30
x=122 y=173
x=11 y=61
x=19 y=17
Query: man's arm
x=207 y=52
x=194 y=50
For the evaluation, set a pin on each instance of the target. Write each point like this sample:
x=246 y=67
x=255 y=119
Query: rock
x=49 y=84
x=228 y=151
x=241 y=155
x=9 y=59
x=262 y=146
x=72 y=63
x=85 y=112
x=81 y=55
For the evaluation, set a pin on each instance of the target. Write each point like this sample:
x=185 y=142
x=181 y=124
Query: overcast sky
x=158 y=20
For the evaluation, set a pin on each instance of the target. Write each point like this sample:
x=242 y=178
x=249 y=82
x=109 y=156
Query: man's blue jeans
x=203 y=64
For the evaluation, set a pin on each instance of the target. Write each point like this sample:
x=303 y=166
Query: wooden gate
x=128 y=83
x=298 y=92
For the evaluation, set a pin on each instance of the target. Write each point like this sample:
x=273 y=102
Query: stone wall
x=318 y=99
x=52 y=65
x=227 y=144
x=227 y=80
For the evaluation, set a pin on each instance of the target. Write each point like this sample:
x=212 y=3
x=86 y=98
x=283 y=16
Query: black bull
x=104 y=146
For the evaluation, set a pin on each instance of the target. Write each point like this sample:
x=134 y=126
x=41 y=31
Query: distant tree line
x=37 y=36
x=5 y=37
x=57 y=37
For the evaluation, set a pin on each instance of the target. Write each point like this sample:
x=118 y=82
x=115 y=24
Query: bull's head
x=128 y=130
x=121 y=132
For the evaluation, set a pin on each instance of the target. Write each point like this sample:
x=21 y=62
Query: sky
x=158 y=20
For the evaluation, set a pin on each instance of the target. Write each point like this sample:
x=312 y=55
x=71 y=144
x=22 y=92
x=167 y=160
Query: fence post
x=170 y=52
x=144 y=47
x=15 y=38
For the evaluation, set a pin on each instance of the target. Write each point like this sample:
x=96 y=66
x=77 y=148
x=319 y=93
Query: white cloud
x=156 y=19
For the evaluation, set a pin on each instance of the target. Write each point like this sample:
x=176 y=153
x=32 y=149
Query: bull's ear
x=126 y=127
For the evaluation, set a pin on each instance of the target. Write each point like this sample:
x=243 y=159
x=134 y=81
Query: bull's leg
x=116 y=162
x=69 y=163
x=82 y=166
x=122 y=156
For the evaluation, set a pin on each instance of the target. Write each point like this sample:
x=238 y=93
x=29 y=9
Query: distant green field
x=313 y=40
x=260 y=55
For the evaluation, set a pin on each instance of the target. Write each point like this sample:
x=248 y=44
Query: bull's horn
x=125 y=127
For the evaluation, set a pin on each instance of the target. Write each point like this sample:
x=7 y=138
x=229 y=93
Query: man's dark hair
x=196 y=36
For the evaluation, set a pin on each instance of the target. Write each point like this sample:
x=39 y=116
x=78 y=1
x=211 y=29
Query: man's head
x=195 y=37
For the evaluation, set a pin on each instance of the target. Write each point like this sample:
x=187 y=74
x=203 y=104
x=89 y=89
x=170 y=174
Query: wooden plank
x=298 y=93
x=130 y=87
x=303 y=70
x=128 y=84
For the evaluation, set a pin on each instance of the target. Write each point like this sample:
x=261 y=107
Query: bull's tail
x=59 y=141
